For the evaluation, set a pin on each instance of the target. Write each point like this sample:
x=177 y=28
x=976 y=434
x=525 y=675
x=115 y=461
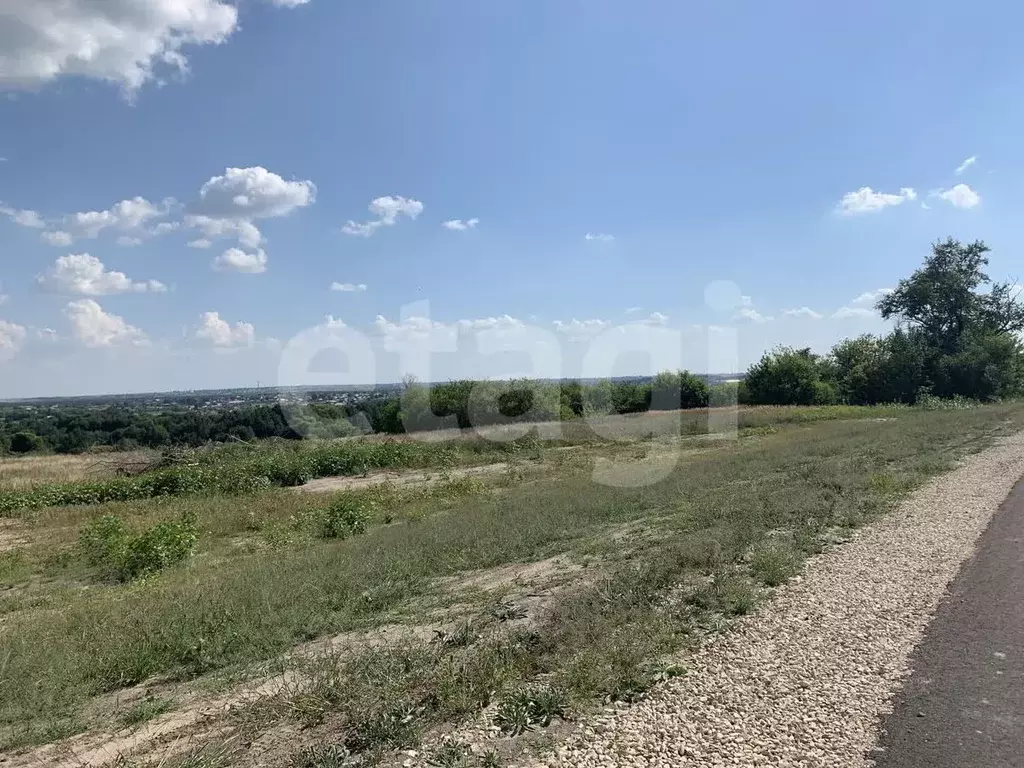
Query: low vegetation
x=196 y=587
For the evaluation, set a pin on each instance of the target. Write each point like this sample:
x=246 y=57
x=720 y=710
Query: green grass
x=729 y=520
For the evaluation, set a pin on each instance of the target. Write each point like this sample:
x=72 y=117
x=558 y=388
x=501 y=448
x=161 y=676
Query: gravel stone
x=805 y=680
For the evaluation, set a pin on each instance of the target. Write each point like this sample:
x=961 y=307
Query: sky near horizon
x=203 y=193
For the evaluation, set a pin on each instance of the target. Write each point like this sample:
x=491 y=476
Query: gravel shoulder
x=806 y=679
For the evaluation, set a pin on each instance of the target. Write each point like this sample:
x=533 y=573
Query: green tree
x=943 y=299
x=25 y=442
x=787 y=376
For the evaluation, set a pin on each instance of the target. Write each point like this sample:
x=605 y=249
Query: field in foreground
x=523 y=595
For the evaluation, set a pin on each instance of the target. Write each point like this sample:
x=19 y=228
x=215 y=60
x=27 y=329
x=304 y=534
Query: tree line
x=957 y=334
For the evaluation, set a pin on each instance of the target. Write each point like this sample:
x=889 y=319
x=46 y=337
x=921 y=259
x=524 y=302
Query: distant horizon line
x=336 y=387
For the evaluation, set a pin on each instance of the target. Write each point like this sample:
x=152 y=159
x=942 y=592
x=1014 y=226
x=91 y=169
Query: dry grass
x=30 y=471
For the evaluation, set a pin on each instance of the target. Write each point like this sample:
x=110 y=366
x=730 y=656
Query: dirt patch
x=514 y=575
x=399 y=479
x=12 y=535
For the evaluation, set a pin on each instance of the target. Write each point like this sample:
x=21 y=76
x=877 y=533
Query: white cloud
x=460 y=225
x=58 y=238
x=229 y=204
x=866 y=200
x=4 y=298
x=80 y=274
x=656 y=318
x=47 y=334
x=12 y=336
x=634 y=310
x=504 y=322
x=844 y=313
x=125 y=215
x=348 y=287
x=252 y=193
x=129 y=242
x=387 y=210
x=581 y=329
x=247 y=233
x=870 y=298
x=23 y=218
x=94 y=328
x=237 y=260
x=220 y=333
x=201 y=242
x=966 y=164
x=961 y=196
x=600 y=237
x=125 y=42
x=752 y=315
x=802 y=312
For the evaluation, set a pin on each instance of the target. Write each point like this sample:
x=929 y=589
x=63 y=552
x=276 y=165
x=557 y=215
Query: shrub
x=25 y=442
x=107 y=544
x=345 y=517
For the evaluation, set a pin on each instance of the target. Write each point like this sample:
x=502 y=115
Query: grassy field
x=530 y=594
x=19 y=474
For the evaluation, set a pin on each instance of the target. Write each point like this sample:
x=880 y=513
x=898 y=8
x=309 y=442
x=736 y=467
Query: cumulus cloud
x=58 y=238
x=866 y=200
x=348 y=287
x=577 y=330
x=221 y=333
x=966 y=164
x=503 y=322
x=80 y=274
x=252 y=193
x=237 y=260
x=802 y=312
x=844 y=313
x=961 y=196
x=751 y=315
x=23 y=218
x=460 y=225
x=656 y=318
x=12 y=336
x=94 y=328
x=124 y=42
x=387 y=210
x=599 y=237
x=870 y=298
x=229 y=204
x=247 y=233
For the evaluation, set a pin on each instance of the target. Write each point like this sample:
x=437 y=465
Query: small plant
x=395 y=728
x=324 y=756
x=773 y=565
x=344 y=518
x=522 y=710
x=507 y=612
x=462 y=636
x=451 y=754
x=144 y=711
x=490 y=759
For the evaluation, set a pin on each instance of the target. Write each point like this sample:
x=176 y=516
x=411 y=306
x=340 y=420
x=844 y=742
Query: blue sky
x=698 y=144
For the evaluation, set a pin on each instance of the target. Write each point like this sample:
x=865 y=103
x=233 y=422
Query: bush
x=789 y=376
x=26 y=442
x=344 y=518
x=107 y=544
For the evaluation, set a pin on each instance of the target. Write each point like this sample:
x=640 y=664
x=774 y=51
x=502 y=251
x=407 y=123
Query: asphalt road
x=963 y=706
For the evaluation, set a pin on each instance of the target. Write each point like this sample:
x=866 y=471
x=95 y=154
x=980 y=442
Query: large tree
x=944 y=302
